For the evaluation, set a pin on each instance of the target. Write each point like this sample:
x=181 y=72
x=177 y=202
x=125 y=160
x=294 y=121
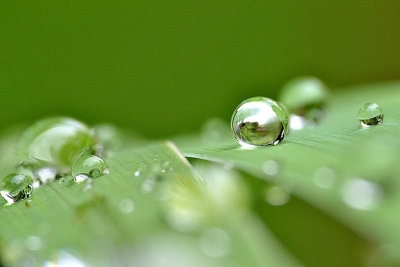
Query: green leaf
x=365 y=193
x=127 y=218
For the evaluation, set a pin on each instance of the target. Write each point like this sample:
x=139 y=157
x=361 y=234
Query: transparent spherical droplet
x=370 y=114
x=16 y=187
x=260 y=121
x=90 y=165
x=56 y=141
x=305 y=97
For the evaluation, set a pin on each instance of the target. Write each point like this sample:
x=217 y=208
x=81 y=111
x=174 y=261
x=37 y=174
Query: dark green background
x=164 y=67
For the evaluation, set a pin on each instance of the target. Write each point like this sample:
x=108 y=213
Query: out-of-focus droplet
x=297 y=122
x=370 y=114
x=148 y=185
x=276 y=196
x=260 y=121
x=215 y=242
x=361 y=194
x=126 y=205
x=16 y=187
x=57 y=141
x=80 y=178
x=46 y=174
x=324 y=177
x=271 y=167
x=90 y=165
x=305 y=97
x=33 y=243
x=64 y=259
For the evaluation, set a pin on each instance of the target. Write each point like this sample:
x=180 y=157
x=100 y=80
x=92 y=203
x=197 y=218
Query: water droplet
x=80 y=178
x=46 y=175
x=137 y=173
x=305 y=97
x=16 y=187
x=275 y=196
x=90 y=165
x=297 y=122
x=324 y=177
x=64 y=259
x=57 y=141
x=148 y=185
x=215 y=242
x=33 y=243
x=259 y=121
x=271 y=167
x=126 y=205
x=361 y=194
x=370 y=114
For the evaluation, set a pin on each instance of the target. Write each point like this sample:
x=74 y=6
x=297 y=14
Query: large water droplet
x=90 y=165
x=259 y=121
x=57 y=141
x=215 y=242
x=305 y=97
x=370 y=114
x=361 y=194
x=16 y=187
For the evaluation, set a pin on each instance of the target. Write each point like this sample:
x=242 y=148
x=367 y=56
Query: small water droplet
x=64 y=259
x=148 y=185
x=305 y=97
x=275 y=196
x=259 y=121
x=126 y=205
x=90 y=165
x=271 y=167
x=16 y=187
x=80 y=178
x=137 y=173
x=297 y=122
x=46 y=175
x=33 y=243
x=361 y=194
x=370 y=114
x=215 y=242
x=324 y=177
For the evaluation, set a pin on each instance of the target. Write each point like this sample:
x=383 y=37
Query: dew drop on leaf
x=370 y=114
x=16 y=187
x=270 y=167
x=259 y=121
x=324 y=177
x=361 y=194
x=276 y=196
x=126 y=205
x=57 y=141
x=305 y=97
x=215 y=242
x=90 y=165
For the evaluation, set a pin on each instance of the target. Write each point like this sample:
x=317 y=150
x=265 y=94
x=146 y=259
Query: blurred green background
x=164 y=67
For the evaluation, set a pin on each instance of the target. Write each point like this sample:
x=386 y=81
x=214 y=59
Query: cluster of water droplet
x=261 y=121
x=50 y=149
